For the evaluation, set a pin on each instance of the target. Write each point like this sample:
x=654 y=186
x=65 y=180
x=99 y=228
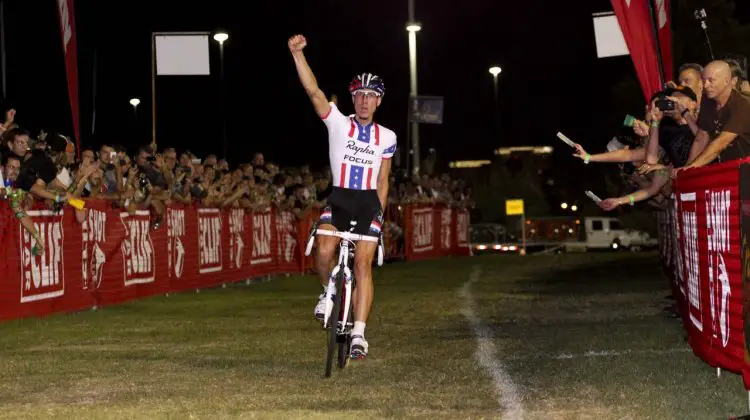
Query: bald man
x=724 y=120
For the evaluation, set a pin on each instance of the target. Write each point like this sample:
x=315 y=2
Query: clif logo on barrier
x=93 y=258
x=209 y=240
x=175 y=247
x=137 y=248
x=236 y=230
x=422 y=233
x=261 y=238
x=42 y=276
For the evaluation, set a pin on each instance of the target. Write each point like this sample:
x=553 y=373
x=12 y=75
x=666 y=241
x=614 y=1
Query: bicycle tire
x=333 y=321
x=345 y=342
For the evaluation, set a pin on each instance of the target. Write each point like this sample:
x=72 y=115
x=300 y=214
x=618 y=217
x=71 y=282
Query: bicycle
x=344 y=281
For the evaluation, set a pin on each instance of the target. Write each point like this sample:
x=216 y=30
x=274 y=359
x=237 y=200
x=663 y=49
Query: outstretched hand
x=579 y=152
x=297 y=43
x=609 y=204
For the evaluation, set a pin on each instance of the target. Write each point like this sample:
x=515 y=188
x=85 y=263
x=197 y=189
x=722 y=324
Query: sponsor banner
x=462 y=232
x=104 y=256
x=209 y=241
x=176 y=243
x=420 y=234
x=711 y=264
x=446 y=229
x=139 y=260
x=43 y=276
x=288 y=249
x=432 y=232
x=262 y=252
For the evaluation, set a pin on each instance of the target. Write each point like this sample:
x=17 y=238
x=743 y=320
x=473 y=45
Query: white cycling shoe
x=359 y=347
x=320 y=308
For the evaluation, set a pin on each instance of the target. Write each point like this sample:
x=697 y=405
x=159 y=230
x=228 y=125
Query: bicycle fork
x=343 y=264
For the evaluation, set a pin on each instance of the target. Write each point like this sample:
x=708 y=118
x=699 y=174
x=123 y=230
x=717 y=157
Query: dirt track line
x=486 y=354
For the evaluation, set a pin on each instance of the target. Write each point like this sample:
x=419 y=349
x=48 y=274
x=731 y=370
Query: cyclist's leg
x=326 y=246
x=330 y=219
x=364 y=292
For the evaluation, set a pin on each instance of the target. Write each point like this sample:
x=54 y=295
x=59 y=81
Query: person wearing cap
x=672 y=134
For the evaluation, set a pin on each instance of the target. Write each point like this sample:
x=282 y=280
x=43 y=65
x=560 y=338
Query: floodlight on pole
x=221 y=37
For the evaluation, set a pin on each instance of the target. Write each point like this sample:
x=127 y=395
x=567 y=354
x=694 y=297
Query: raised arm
x=296 y=44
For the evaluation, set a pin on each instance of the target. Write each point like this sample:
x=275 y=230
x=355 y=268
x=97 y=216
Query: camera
x=143 y=182
x=151 y=158
x=665 y=104
x=700 y=14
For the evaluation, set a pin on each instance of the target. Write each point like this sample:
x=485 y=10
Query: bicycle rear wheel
x=333 y=322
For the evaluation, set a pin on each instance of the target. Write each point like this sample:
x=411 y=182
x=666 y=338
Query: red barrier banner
x=288 y=248
x=104 y=256
x=446 y=230
x=709 y=221
x=436 y=231
x=262 y=255
x=420 y=232
x=176 y=247
x=462 y=245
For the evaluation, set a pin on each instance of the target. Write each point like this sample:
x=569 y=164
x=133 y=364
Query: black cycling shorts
x=363 y=206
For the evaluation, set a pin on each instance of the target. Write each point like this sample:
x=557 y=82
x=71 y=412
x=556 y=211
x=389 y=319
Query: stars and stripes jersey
x=356 y=151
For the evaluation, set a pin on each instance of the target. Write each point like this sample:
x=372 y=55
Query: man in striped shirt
x=360 y=152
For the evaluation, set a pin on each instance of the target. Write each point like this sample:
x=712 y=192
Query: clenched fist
x=297 y=43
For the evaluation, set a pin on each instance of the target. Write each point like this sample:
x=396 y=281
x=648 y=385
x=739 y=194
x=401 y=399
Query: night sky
x=551 y=79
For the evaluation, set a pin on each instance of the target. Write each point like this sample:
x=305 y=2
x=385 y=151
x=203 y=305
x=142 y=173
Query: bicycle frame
x=347 y=238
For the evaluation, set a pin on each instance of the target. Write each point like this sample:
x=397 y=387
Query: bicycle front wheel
x=333 y=322
x=345 y=341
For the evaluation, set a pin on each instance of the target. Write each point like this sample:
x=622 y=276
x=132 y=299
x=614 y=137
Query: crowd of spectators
x=43 y=170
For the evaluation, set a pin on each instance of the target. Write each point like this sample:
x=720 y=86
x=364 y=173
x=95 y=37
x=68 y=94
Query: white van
x=607 y=232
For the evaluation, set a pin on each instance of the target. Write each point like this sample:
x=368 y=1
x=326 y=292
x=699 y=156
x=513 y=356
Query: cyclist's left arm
x=385 y=172
x=383 y=175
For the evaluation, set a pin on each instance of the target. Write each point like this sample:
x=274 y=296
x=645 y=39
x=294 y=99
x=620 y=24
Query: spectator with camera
x=669 y=130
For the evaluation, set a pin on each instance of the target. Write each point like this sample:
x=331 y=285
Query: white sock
x=359 y=329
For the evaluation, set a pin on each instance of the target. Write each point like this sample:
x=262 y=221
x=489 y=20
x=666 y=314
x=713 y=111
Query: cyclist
x=359 y=151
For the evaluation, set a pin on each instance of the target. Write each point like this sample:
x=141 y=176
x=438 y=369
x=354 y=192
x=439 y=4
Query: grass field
x=552 y=337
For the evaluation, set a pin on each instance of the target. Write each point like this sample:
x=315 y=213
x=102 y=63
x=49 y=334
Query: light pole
x=412 y=27
x=495 y=71
x=220 y=37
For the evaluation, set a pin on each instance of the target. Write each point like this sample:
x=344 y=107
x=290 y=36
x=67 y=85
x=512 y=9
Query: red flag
x=68 y=31
x=635 y=21
x=664 y=28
